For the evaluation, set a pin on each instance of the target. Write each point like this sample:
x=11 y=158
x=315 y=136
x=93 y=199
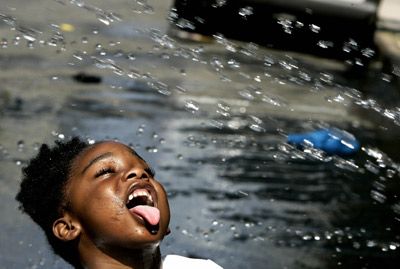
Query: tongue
x=149 y=213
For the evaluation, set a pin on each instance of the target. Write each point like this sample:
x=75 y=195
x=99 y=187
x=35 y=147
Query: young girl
x=100 y=206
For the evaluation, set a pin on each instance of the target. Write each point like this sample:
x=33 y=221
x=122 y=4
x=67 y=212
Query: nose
x=137 y=173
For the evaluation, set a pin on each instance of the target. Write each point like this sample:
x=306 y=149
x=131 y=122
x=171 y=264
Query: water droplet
x=378 y=196
x=185 y=24
x=246 y=94
x=151 y=149
x=246 y=11
x=140 y=130
x=286 y=22
x=219 y=3
x=4 y=43
x=371 y=243
x=192 y=106
x=30 y=44
x=131 y=56
x=233 y=63
x=325 y=44
x=373 y=168
x=368 y=52
x=390 y=173
x=315 y=28
x=307 y=237
x=21 y=144
x=216 y=63
x=36 y=146
x=217 y=124
x=78 y=55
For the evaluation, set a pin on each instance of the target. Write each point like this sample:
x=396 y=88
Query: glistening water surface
x=212 y=119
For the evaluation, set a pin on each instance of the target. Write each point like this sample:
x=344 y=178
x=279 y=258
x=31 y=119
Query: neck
x=146 y=258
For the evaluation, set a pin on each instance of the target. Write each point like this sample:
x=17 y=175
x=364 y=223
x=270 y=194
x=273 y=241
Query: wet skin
x=102 y=177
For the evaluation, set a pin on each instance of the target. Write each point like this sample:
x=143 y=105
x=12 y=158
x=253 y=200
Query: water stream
x=212 y=119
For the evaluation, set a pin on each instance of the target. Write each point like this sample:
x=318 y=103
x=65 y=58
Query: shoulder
x=178 y=262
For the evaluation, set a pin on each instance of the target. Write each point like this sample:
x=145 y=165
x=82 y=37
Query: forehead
x=112 y=147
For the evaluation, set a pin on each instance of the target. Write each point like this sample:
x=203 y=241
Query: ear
x=66 y=228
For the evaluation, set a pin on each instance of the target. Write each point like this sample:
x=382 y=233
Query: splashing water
x=213 y=119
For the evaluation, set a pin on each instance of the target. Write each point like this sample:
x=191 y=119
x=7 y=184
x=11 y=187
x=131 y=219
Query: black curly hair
x=42 y=191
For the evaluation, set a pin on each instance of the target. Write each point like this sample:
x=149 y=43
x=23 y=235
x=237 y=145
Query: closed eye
x=104 y=171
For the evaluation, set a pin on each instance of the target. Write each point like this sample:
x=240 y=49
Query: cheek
x=101 y=207
x=163 y=203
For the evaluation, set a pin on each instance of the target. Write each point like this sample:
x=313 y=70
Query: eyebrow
x=96 y=159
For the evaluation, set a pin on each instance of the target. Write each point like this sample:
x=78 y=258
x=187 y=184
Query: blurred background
x=208 y=93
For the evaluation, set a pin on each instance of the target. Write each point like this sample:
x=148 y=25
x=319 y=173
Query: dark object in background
x=340 y=29
x=86 y=78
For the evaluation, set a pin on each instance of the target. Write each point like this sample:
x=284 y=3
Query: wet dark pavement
x=212 y=120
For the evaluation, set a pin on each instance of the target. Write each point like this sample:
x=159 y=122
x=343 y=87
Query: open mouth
x=141 y=203
x=139 y=197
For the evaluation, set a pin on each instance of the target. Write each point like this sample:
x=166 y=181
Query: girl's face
x=116 y=200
